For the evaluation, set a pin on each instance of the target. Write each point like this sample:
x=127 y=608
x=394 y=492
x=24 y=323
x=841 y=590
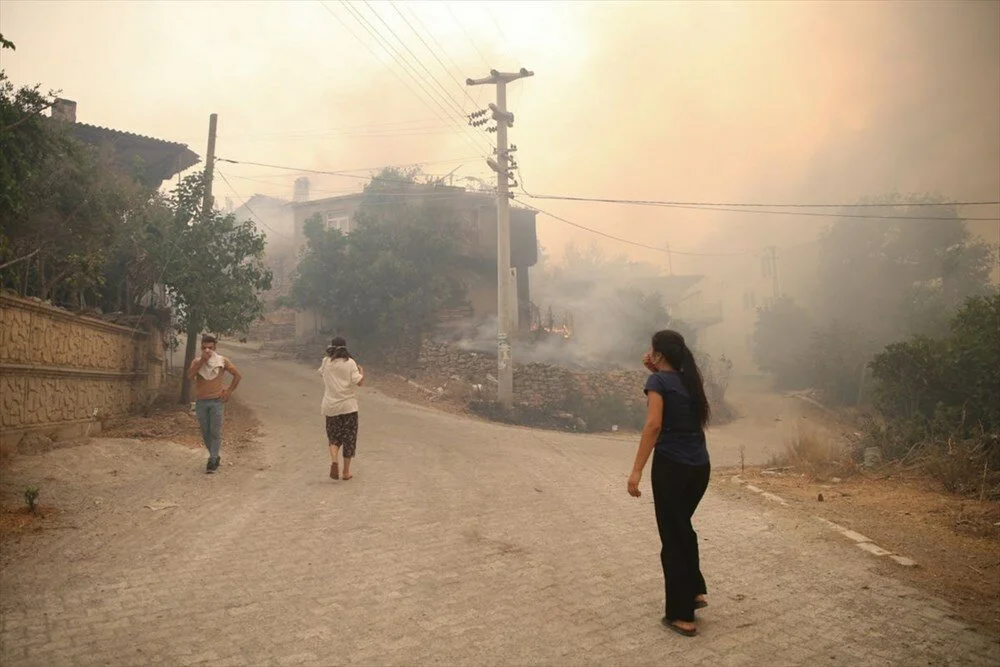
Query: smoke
x=590 y=312
x=768 y=102
x=694 y=101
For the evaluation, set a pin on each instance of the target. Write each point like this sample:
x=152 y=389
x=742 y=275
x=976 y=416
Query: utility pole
x=775 y=285
x=670 y=260
x=505 y=300
x=194 y=322
x=206 y=205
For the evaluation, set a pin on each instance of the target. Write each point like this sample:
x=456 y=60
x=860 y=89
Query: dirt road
x=457 y=542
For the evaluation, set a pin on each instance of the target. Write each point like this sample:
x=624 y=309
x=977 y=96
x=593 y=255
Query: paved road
x=458 y=542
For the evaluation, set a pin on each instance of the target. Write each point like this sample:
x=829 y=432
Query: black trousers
x=677 y=490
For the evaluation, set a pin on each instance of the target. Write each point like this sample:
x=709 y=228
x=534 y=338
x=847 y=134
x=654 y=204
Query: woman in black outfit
x=675 y=428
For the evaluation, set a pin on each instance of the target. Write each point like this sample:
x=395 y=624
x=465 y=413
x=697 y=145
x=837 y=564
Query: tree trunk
x=194 y=328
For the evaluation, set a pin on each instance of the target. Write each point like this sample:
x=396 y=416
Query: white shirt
x=340 y=379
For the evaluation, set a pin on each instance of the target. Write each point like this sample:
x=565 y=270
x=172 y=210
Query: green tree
x=382 y=284
x=213 y=267
x=920 y=378
x=65 y=210
x=781 y=342
x=878 y=281
x=933 y=390
x=899 y=277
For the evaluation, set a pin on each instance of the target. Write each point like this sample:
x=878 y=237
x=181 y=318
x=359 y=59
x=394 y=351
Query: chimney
x=301 y=192
x=64 y=110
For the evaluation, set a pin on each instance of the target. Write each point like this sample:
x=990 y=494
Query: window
x=336 y=220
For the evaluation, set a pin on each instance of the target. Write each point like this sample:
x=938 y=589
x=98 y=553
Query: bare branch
x=20 y=259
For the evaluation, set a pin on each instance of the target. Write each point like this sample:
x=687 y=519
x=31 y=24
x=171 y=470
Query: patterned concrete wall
x=61 y=373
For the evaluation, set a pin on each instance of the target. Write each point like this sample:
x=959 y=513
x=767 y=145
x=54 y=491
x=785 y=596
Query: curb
x=860 y=541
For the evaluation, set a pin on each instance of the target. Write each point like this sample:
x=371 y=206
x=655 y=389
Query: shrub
x=938 y=398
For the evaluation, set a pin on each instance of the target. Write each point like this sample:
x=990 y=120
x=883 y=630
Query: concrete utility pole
x=194 y=326
x=505 y=298
x=207 y=202
x=776 y=286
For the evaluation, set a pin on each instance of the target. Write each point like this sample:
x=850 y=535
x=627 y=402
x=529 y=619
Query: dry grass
x=814 y=451
x=166 y=419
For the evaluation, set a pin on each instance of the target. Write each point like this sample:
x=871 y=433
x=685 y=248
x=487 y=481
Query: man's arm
x=227 y=392
x=195 y=367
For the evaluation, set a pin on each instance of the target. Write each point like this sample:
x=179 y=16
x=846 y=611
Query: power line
x=467 y=35
x=503 y=35
x=344 y=172
x=757 y=205
x=432 y=51
x=415 y=130
x=457 y=69
x=367 y=27
x=759 y=208
x=447 y=96
x=407 y=68
x=387 y=125
x=245 y=204
x=632 y=243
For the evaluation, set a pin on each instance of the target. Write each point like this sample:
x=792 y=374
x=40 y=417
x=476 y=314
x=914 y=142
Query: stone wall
x=275 y=326
x=534 y=384
x=61 y=373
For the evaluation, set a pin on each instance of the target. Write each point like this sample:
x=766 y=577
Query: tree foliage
x=938 y=396
x=878 y=281
x=898 y=277
x=955 y=377
x=782 y=337
x=212 y=264
x=71 y=225
x=382 y=284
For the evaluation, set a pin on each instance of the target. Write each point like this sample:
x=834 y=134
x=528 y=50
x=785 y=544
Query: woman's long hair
x=671 y=345
x=338 y=349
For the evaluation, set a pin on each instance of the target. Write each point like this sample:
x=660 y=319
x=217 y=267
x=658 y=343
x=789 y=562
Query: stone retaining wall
x=534 y=384
x=61 y=373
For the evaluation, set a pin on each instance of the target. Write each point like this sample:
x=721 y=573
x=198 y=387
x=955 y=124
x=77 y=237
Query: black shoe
x=210 y=466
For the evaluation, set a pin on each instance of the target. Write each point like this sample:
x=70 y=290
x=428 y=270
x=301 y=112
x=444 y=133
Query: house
x=150 y=161
x=273 y=217
x=476 y=210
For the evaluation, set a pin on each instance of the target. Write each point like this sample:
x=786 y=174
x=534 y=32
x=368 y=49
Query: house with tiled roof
x=151 y=161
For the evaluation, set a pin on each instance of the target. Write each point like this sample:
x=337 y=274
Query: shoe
x=210 y=466
x=667 y=623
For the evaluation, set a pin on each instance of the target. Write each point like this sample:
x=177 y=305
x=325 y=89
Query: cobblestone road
x=457 y=543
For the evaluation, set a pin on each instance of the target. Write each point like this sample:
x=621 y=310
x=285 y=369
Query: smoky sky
x=715 y=102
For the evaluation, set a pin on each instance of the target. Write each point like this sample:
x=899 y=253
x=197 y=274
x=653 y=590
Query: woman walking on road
x=676 y=417
x=341 y=376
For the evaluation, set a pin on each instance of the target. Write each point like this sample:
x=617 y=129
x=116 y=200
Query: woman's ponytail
x=674 y=349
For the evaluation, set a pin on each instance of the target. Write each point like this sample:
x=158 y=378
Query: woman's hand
x=647 y=361
x=633 y=484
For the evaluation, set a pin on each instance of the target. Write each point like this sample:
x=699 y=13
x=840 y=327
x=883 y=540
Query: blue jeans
x=210 y=415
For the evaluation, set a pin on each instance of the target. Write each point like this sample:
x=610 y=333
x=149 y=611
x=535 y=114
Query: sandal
x=347 y=477
x=334 y=470
x=679 y=630
x=700 y=604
